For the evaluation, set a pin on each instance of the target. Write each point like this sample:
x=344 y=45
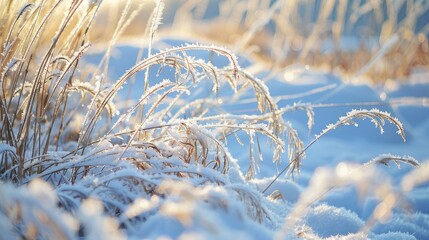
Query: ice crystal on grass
x=386 y=158
x=376 y=116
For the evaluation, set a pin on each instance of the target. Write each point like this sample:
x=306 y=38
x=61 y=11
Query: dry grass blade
x=276 y=195
x=385 y=159
x=255 y=207
x=377 y=117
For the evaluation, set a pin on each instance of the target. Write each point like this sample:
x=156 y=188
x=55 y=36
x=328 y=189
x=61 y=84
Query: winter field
x=206 y=119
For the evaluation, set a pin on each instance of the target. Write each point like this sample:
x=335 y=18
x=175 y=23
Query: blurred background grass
x=371 y=41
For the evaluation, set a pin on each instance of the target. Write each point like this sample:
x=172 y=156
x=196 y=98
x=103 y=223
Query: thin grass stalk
x=346 y=120
x=25 y=126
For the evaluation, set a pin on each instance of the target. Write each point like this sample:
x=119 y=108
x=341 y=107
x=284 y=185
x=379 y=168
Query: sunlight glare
x=342 y=170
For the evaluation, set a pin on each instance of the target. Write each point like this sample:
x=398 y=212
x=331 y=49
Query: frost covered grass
x=81 y=160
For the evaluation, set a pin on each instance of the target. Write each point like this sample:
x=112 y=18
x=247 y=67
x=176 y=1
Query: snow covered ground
x=339 y=212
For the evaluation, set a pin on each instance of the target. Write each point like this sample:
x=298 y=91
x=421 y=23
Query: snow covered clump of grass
x=80 y=161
